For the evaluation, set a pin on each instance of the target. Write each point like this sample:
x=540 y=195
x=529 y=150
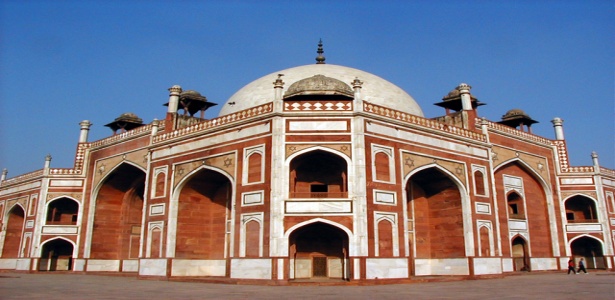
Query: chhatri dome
x=375 y=90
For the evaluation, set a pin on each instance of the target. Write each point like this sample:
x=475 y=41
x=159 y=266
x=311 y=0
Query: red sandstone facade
x=321 y=179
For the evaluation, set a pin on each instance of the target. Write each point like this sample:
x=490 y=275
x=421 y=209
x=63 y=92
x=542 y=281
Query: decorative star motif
x=228 y=162
x=180 y=171
x=541 y=167
x=409 y=162
x=292 y=148
x=344 y=148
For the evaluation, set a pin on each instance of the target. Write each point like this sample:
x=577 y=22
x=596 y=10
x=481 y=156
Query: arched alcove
x=319 y=250
x=118 y=214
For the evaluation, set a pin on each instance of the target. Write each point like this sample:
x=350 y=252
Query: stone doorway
x=519 y=254
x=319 y=251
x=591 y=250
x=56 y=255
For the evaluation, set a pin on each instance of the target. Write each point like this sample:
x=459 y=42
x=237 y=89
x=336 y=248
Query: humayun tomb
x=315 y=172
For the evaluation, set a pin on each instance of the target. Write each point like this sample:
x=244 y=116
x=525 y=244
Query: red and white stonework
x=318 y=171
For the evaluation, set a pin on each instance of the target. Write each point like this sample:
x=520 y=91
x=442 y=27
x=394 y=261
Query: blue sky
x=62 y=62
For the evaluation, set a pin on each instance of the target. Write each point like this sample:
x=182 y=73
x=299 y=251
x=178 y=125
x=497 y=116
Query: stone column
x=174 y=98
x=155 y=125
x=85 y=129
x=278 y=86
x=559 y=129
x=595 y=162
x=47 y=163
x=466 y=99
x=4 y=173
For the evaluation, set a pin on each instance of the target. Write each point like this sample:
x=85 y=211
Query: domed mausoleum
x=309 y=174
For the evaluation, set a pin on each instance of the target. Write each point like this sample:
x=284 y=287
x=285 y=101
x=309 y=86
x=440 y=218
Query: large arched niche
x=318 y=249
x=14 y=221
x=118 y=214
x=203 y=208
x=516 y=176
x=435 y=208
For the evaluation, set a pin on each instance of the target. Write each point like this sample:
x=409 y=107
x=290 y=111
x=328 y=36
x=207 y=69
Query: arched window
x=580 y=209
x=318 y=174
x=62 y=211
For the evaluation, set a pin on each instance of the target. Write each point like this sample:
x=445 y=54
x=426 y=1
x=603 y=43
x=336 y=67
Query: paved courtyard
x=594 y=286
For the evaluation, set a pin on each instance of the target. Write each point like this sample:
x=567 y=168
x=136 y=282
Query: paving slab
x=68 y=286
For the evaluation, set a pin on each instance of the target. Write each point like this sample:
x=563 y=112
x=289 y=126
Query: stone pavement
x=68 y=286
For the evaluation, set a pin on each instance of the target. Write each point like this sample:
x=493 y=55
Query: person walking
x=581 y=266
x=571 y=266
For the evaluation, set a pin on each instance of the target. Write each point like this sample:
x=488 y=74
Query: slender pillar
x=278 y=86
x=85 y=130
x=155 y=125
x=358 y=101
x=47 y=164
x=559 y=129
x=595 y=162
x=4 y=173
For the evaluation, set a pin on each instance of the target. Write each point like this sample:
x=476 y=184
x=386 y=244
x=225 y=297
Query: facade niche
x=318 y=174
x=580 y=209
x=62 y=211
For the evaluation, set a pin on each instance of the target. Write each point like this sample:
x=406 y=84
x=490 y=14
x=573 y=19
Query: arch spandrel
x=294 y=148
x=226 y=162
x=104 y=166
x=590 y=194
x=501 y=156
x=54 y=196
x=23 y=201
x=412 y=162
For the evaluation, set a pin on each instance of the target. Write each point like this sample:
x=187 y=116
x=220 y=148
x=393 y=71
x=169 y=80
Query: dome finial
x=320 y=59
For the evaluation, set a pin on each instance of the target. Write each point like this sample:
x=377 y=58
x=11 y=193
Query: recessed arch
x=318 y=173
x=438 y=206
x=63 y=210
x=202 y=206
x=117 y=213
x=14 y=223
x=539 y=207
x=318 y=249
x=520 y=253
x=589 y=247
x=56 y=254
x=581 y=208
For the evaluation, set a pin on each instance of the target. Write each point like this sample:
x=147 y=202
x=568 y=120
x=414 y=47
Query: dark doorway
x=319 y=250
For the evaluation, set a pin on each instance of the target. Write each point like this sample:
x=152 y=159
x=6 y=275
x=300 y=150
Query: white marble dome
x=375 y=89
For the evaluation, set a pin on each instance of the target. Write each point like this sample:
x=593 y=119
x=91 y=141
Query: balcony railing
x=517 y=216
x=582 y=221
x=319 y=195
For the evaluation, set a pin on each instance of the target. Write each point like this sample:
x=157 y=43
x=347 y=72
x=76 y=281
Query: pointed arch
x=13 y=223
x=208 y=193
x=118 y=200
x=62 y=210
x=533 y=214
x=429 y=250
x=56 y=254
